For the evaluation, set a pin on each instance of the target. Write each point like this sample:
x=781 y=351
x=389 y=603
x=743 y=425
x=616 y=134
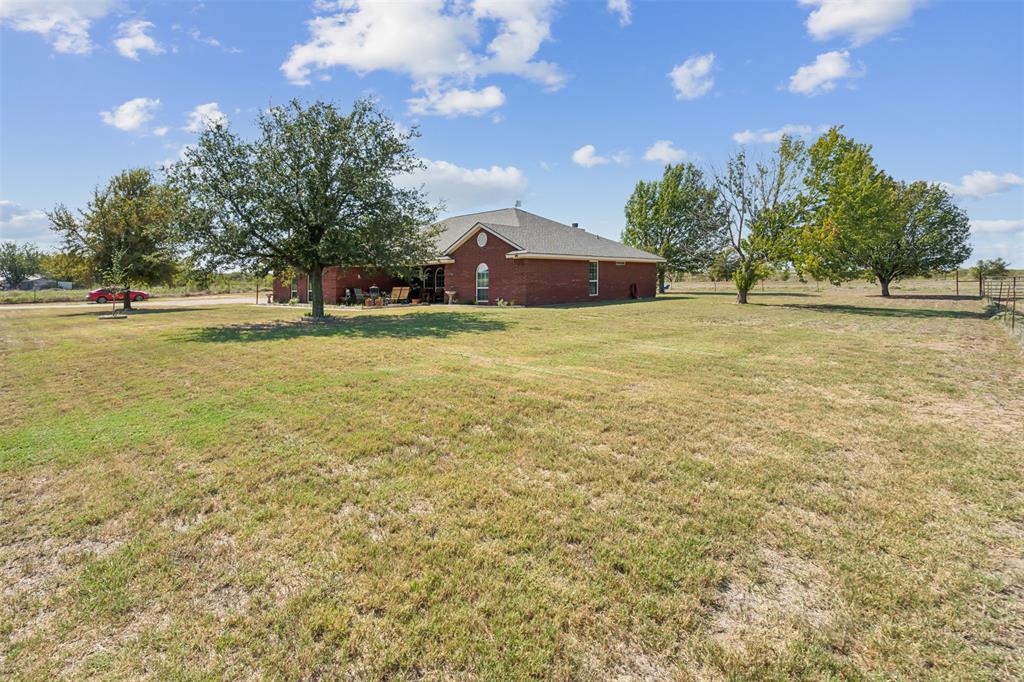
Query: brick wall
x=506 y=280
x=567 y=281
x=335 y=281
x=525 y=281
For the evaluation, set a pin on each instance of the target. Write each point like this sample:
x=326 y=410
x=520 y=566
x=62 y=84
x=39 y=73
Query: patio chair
x=358 y=297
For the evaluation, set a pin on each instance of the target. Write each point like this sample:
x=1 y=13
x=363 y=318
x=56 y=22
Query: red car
x=105 y=295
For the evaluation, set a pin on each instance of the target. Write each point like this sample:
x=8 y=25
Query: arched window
x=483 y=282
x=428 y=279
x=439 y=278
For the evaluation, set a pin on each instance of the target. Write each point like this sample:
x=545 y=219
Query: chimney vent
x=575 y=224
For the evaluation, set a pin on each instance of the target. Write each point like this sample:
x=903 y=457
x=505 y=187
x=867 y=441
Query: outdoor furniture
x=358 y=297
x=399 y=295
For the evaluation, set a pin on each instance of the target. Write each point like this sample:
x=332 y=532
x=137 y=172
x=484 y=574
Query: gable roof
x=537 y=236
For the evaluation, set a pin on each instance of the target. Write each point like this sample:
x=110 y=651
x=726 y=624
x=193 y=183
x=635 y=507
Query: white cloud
x=861 y=20
x=461 y=188
x=161 y=131
x=822 y=76
x=982 y=183
x=997 y=226
x=454 y=101
x=131 y=115
x=132 y=39
x=205 y=116
x=587 y=157
x=211 y=41
x=767 y=136
x=622 y=8
x=692 y=78
x=21 y=224
x=433 y=42
x=65 y=23
x=663 y=151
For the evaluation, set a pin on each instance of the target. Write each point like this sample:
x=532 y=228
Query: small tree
x=133 y=215
x=69 y=267
x=316 y=188
x=722 y=266
x=862 y=222
x=763 y=206
x=18 y=262
x=996 y=267
x=678 y=218
x=117 y=277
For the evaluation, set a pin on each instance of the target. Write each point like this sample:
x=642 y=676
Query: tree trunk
x=885 y=286
x=316 y=275
x=744 y=277
x=127 y=300
x=661 y=281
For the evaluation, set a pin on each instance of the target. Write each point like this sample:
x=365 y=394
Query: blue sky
x=562 y=105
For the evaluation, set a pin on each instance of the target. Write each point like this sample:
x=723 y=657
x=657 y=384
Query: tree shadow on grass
x=932 y=297
x=752 y=295
x=919 y=313
x=133 y=312
x=433 y=325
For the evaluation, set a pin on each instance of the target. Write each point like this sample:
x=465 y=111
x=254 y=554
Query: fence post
x=981 y=291
x=958 y=282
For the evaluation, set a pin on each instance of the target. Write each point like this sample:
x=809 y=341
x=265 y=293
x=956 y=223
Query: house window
x=428 y=279
x=593 y=278
x=439 y=278
x=483 y=279
x=295 y=289
x=481 y=239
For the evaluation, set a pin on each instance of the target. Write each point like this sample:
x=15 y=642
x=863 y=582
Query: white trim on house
x=558 y=256
x=472 y=231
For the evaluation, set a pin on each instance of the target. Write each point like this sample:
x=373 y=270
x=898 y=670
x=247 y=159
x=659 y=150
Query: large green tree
x=862 y=222
x=315 y=188
x=134 y=215
x=18 y=261
x=763 y=207
x=678 y=218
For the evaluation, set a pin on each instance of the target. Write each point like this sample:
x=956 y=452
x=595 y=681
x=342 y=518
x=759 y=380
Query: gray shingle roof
x=536 y=235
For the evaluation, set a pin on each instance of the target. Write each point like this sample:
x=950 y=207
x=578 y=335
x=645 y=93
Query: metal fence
x=1006 y=295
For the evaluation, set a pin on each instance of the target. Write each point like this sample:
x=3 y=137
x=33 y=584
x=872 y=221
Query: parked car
x=106 y=295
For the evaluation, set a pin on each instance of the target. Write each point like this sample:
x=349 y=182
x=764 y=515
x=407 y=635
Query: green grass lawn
x=814 y=485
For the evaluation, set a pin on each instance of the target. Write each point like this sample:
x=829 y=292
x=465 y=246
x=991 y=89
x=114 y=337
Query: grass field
x=814 y=485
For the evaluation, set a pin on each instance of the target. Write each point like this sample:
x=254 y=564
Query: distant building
x=37 y=282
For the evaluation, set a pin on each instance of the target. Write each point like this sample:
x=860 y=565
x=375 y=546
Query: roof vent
x=576 y=225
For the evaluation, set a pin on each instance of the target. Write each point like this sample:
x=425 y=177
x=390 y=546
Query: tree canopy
x=862 y=222
x=763 y=204
x=678 y=218
x=315 y=188
x=18 y=262
x=133 y=215
x=997 y=267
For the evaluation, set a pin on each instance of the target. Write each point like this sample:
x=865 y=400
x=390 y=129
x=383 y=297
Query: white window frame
x=487 y=289
x=596 y=281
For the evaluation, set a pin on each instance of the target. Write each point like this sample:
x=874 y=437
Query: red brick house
x=512 y=255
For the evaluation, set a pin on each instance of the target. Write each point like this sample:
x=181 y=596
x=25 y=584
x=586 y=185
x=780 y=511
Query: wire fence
x=1006 y=296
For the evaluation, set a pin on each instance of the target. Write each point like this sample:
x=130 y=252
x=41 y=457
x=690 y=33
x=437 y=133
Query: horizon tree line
x=317 y=188
x=825 y=210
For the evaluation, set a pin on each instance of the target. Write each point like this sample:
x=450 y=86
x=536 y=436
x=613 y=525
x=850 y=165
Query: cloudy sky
x=563 y=105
